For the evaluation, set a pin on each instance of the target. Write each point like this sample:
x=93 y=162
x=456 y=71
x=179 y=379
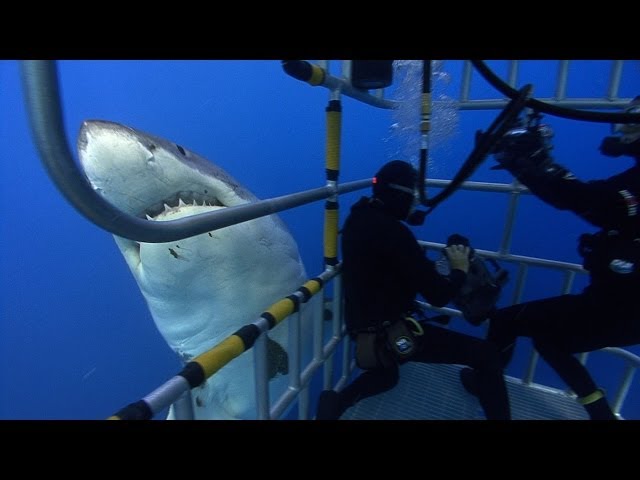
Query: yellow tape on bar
x=426 y=104
x=425 y=123
x=331 y=233
x=313 y=286
x=334 y=123
x=281 y=309
x=317 y=75
x=216 y=358
x=592 y=397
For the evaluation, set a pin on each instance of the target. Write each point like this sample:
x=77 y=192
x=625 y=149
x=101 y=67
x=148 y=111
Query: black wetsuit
x=384 y=268
x=607 y=312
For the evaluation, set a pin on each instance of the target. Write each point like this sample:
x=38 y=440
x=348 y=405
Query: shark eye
x=152 y=147
x=181 y=150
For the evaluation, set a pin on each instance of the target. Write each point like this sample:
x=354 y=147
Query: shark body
x=201 y=289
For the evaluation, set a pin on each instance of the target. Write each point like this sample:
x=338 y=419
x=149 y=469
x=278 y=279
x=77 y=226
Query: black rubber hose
x=571 y=113
x=503 y=122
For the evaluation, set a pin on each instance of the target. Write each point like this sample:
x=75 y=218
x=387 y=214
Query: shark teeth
x=181 y=199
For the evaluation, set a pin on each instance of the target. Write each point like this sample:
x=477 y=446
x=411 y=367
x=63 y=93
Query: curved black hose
x=485 y=142
x=564 y=112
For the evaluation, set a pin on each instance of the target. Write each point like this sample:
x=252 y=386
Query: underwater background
x=76 y=338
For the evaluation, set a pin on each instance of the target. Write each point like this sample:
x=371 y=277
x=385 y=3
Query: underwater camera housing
x=527 y=138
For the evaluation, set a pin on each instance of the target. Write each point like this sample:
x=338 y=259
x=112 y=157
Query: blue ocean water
x=76 y=338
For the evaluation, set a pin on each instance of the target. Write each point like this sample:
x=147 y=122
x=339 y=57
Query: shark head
x=201 y=289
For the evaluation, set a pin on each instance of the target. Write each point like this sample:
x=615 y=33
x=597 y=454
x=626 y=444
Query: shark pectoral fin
x=277 y=358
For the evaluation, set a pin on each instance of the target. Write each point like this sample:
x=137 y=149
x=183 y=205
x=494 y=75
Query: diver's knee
x=504 y=321
x=544 y=346
x=496 y=327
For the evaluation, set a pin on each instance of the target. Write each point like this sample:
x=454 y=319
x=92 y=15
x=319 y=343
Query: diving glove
x=457 y=239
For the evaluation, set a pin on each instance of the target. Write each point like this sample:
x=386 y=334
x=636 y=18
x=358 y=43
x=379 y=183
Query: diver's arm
x=600 y=202
x=409 y=258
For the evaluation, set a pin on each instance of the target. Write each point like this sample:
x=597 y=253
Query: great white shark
x=201 y=289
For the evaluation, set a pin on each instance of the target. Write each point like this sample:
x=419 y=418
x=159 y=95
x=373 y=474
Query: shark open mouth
x=181 y=199
x=150 y=177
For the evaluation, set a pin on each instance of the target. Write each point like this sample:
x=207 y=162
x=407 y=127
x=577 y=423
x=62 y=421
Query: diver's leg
x=577 y=377
x=505 y=326
x=332 y=404
x=593 y=323
x=439 y=345
x=525 y=319
x=571 y=324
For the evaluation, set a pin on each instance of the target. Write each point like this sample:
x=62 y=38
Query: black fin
x=277 y=358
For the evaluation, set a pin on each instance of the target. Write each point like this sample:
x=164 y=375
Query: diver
x=607 y=312
x=384 y=268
